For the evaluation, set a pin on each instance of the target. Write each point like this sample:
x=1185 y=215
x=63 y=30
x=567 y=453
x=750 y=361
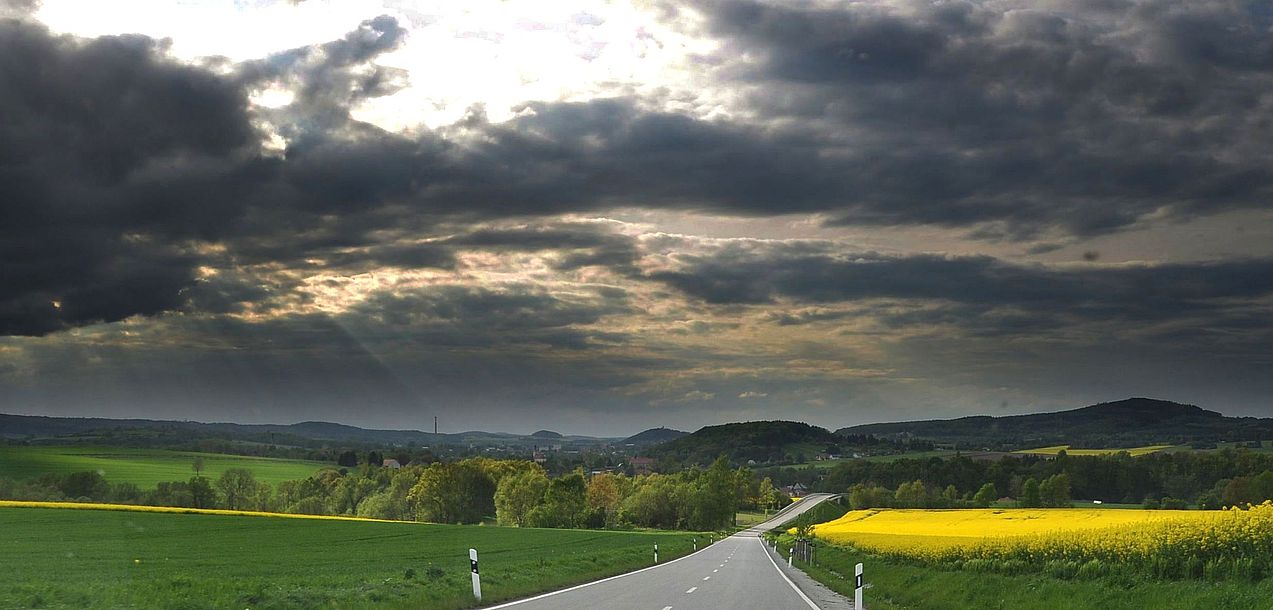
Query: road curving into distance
x=736 y=572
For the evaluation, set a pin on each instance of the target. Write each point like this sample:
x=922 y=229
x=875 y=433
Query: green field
x=63 y=558
x=896 y=585
x=144 y=467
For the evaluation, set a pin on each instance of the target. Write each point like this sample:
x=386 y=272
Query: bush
x=1173 y=504
x=1064 y=570
x=1093 y=569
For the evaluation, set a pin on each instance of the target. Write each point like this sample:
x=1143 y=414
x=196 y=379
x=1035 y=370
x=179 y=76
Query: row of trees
x=1052 y=492
x=1210 y=479
x=515 y=492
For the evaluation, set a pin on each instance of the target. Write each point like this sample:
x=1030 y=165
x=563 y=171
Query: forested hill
x=1125 y=423
x=653 y=436
x=762 y=441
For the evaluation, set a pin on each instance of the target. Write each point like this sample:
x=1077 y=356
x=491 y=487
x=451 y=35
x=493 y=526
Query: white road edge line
x=784 y=577
x=595 y=582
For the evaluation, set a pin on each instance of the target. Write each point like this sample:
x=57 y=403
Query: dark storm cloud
x=117 y=164
x=465 y=316
x=1076 y=115
x=510 y=317
x=87 y=129
x=979 y=291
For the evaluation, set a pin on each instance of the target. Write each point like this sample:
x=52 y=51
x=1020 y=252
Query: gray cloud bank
x=125 y=176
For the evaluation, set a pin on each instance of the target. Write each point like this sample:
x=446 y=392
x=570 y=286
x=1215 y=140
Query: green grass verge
x=105 y=559
x=902 y=586
x=746 y=518
x=143 y=467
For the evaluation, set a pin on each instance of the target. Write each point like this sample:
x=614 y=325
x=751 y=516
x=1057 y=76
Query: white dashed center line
x=692 y=589
x=716 y=570
x=667 y=608
x=707 y=578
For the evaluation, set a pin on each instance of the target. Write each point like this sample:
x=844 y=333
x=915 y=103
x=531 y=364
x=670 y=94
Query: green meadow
x=895 y=585
x=62 y=558
x=143 y=467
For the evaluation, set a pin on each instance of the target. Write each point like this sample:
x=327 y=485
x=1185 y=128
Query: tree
x=564 y=503
x=767 y=494
x=391 y=502
x=88 y=484
x=1236 y=493
x=202 y=495
x=1030 y=497
x=238 y=488
x=197 y=466
x=1055 y=491
x=746 y=493
x=804 y=526
x=1209 y=501
x=1261 y=487
x=911 y=495
x=653 y=502
x=606 y=493
x=714 y=502
x=458 y=492
x=517 y=494
x=374 y=458
x=348 y=459
x=985 y=496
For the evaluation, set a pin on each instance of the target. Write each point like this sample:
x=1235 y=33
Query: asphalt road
x=736 y=573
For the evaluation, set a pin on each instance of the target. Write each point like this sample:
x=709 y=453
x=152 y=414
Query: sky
x=599 y=217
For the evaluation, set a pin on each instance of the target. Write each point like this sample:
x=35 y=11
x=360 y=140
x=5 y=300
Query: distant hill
x=546 y=434
x=82 y=429
x=1124 y=423
x=760 y=441
x=653 y=436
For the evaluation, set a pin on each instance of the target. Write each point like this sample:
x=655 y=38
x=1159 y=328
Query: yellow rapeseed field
x=972 y=525
x=1055 y=449
x=1164 y=542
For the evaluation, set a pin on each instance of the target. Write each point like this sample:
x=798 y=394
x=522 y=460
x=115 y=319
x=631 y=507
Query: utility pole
x=435 y=424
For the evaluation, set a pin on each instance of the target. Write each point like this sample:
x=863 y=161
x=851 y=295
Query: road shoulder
x=824 y=597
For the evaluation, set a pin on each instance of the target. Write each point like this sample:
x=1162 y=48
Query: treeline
x=1206 y=479
x=513 y=492
x=1053 y=492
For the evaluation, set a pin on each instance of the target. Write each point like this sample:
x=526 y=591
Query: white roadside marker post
x=656 y=553
x=477 y=580
x=696 y=544
x=790 y=556
x=857 y=587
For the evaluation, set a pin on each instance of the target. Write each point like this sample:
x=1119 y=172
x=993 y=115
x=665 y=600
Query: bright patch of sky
x=495 y=54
